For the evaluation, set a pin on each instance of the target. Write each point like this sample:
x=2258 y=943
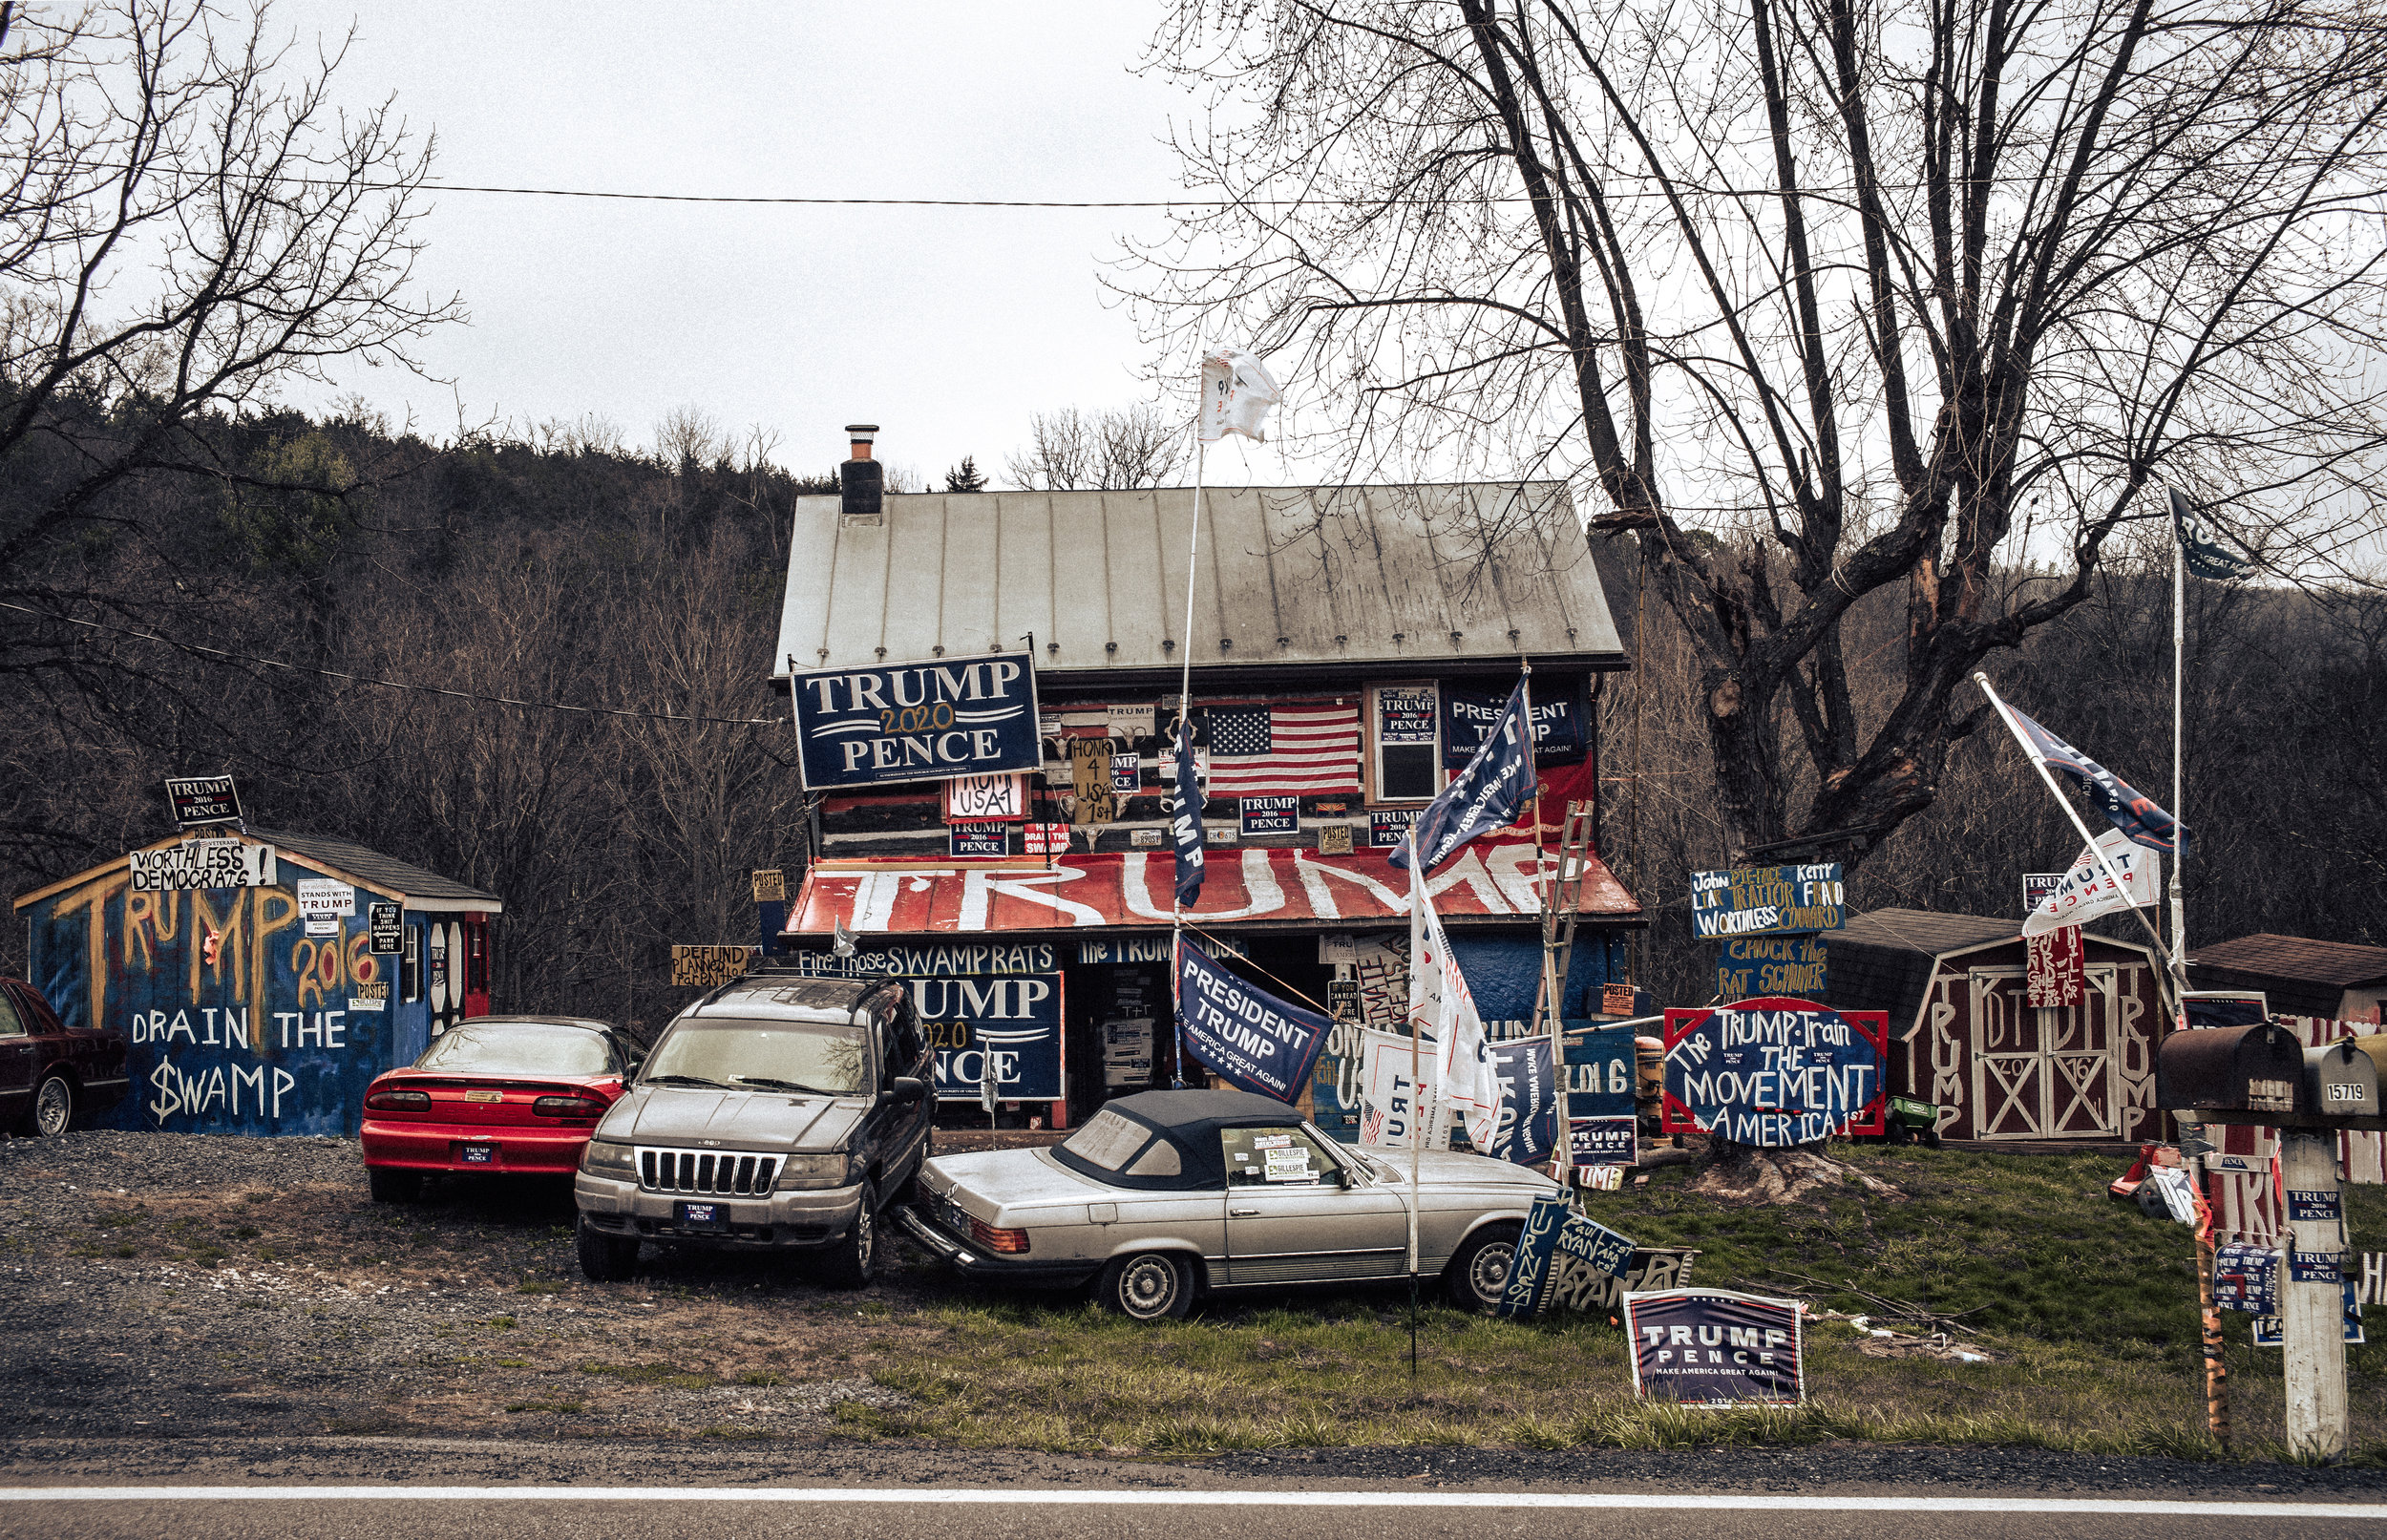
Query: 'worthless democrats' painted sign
x=1710 y=1347
x=917 y=721
x=1767 y=901
x=1552 y=1226
x=204 y=863
x=1252 y=1038
x=1774 y=1072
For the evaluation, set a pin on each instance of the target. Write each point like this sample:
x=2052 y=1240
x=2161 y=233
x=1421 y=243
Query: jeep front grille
x=705 y=1170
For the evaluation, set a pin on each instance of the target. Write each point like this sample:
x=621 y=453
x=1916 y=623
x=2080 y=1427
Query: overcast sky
x=946 y=326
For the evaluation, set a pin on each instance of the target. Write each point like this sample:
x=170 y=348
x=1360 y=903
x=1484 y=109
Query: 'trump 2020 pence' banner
x=918 y=721
x=1775 y=1072
x=1710 y=1347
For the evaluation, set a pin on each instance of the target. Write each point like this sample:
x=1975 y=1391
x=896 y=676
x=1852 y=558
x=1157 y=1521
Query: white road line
x=1037 y=1497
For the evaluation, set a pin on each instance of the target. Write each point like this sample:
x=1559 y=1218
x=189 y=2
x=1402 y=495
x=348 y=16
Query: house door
x=2042 y=1072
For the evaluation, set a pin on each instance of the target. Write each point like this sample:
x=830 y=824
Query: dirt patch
x=166 y=1284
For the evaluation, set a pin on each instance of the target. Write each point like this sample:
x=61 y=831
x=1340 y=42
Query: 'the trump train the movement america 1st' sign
x=918 y=721
x=1775 y=1072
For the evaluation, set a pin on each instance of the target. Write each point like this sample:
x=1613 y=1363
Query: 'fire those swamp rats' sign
x=1774 y=1072
x=1710 y=1347
x=1767 y=901
x=917 y=721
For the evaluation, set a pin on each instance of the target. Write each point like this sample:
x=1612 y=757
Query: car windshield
x=519 y=1048
x=776 y=1056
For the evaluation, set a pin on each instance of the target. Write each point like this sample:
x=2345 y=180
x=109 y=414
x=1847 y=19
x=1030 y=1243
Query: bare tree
x=187 y=226
x=1818 y=300
x=1120 y=451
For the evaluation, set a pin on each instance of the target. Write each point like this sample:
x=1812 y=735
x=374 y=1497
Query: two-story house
x=1350 y=647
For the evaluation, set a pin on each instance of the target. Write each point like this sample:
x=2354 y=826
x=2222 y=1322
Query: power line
x=229 y=655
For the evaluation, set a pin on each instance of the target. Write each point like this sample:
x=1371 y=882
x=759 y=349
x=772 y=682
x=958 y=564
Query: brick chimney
x=861 y=479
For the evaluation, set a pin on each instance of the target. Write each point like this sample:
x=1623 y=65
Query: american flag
x=1301 y=749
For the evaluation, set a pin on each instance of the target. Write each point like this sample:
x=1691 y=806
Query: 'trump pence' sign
x=917 y=721
x=1774 y=1072
x=1710 y=1347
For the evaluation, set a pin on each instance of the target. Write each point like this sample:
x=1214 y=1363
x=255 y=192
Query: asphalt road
x=1011 y=1513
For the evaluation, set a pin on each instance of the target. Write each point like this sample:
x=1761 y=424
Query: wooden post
x=2311 y=1315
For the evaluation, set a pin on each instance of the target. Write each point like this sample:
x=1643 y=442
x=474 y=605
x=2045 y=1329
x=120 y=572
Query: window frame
x=1372 y=779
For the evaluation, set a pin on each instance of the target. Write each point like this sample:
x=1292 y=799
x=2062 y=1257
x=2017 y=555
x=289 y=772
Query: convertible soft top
x=1190 y=1121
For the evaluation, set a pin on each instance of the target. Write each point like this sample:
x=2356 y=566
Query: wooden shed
x=1964 y=1036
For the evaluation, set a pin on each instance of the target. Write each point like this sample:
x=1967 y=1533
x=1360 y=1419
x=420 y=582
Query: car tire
x=853 y=1261
x=395 y=1186
x=52 y=1111
x=606 y=1258
x=1146 y=1286
x=1478 y=1277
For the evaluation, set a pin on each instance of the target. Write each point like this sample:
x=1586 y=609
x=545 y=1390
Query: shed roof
x=1384 y=579
x=2342 y=964
x=409 y=884
x=1884 y=960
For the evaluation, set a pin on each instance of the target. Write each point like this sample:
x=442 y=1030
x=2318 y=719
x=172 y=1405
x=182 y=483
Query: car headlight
x=800 y=1172
x=606 y=1158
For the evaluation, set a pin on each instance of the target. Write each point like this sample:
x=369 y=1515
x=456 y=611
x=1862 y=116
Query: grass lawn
x=2089 y=1306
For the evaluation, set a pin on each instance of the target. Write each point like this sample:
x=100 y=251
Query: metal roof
x=1387 y=579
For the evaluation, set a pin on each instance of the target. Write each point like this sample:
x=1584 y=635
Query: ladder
x=1560 y=891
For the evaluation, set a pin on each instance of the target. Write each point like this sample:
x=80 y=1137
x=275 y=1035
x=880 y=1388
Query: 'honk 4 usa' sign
x=917 y=721
x=1775 y=1072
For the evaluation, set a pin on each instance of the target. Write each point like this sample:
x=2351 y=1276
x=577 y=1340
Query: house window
x=1403 y=742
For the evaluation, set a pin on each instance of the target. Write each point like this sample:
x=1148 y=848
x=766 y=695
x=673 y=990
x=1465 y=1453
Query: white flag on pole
x=1391 y=1110
x=2086 y=892
x=1236 y=393
x=1443 y=1006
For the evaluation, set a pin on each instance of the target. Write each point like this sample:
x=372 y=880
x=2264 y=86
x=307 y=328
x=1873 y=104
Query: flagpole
x=2179 y=758
x=1185 y=718
x=2104 y=862
x=1417 y=1103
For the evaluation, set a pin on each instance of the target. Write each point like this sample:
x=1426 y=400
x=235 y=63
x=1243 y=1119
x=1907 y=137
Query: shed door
x=2083 y=1066
x=2009 y=1064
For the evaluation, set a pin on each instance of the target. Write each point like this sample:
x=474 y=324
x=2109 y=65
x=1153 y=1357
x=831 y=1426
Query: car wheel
x=853 y=1261
x=606 y=1258
x=395 y=1186
x=54 y=1108
x=1478 y=1277
x=1151 y=1286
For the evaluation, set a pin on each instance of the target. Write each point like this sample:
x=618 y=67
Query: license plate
x=479 y=1154
x=705 y=1215
x=955 y=1220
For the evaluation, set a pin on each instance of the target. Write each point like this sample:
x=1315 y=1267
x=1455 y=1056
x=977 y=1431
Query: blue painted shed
x=259 y=1006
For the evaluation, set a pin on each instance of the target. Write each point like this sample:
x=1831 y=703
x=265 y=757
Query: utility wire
x=229 y=655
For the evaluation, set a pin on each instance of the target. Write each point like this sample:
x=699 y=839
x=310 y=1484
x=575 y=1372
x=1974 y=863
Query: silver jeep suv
x=778 y=1111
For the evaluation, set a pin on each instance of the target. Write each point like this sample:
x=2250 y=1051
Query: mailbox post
x=2312 y=1307
x=2260 y=1074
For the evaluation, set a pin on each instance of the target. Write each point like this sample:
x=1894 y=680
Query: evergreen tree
x=965 y=477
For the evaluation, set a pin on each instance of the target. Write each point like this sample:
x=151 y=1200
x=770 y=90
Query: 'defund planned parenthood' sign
x=1767 y=901
x=917 y=721
x=1774 y=1072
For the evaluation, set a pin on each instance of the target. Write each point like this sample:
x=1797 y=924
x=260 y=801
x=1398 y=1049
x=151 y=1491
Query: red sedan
x=517 y=1094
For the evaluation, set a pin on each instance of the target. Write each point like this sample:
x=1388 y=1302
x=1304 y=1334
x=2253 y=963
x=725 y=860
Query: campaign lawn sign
x=1711 y=1347
x=1554 y=1228
x=1247 y=1036
x=1774 y=1072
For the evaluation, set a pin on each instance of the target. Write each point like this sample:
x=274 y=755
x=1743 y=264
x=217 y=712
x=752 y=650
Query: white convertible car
x=1167 y=1195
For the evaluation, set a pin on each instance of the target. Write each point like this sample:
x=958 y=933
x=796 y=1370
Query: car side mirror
x=1337 y=1177
x=904 y=1090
